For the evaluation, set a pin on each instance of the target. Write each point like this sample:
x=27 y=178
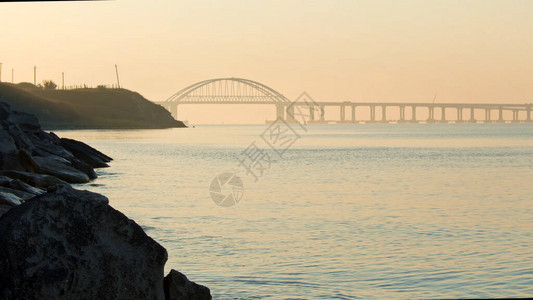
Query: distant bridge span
x=245 y=91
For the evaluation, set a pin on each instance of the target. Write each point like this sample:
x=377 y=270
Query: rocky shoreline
x=57 y=242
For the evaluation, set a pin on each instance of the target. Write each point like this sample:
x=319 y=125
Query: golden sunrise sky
x=336 y=50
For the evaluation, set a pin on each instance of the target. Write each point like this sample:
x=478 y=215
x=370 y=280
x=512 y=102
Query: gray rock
x=86 y=153
x=54 y=167
x=21 y=186
x=4 y=180
x=19 y=136
x=85 y=168
x=20 y=160
x=26 y=122
x=178 y=287
x=46 y=148
x=37 y=180
x=9 y=199
x=54 y=138
x=21 y=194
x=71 y=244
x=7 y=144
x=4 y=209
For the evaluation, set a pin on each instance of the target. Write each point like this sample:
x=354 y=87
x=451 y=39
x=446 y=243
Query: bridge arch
x=227 y=90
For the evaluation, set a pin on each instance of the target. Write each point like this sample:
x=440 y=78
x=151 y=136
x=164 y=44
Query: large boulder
x=71 y=244
x=21 y=139
x=9 y=199
x=86 y=153
x=26 y=122
x=4 y=180
x=7 y=144
x=41 y=181
x=4 y=209
x=21 y=186
x=20 y=160
x=56 y=166
x=21 y=194
x=178 y=287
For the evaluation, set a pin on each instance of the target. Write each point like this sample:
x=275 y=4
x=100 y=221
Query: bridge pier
x=322 y=113
x=402 y=113
x=342 y=113
x=472 y=118
x=528 y=113
x=431 y=112
x=353 y=114
x=383 y=114
x=290 y=115
x=443 y=114
x=311 y=113
x=515 y=115
x=459 y=114
x=280 y=111
x=372 y=113
x=500 y=114
x=487 y=115
x=413 y=117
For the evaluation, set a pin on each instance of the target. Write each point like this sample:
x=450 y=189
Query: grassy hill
x=89 y=108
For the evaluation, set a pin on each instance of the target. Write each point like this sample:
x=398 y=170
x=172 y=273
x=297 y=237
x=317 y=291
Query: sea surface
x=336 y=211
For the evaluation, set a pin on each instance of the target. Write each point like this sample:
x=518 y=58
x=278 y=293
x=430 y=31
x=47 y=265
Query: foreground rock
x=31 y=160
x=60 y=243
x=24 y=147
x=178 y=287
x=71 y=244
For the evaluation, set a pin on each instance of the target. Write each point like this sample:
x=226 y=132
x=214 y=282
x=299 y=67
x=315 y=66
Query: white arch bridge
x=245 y=91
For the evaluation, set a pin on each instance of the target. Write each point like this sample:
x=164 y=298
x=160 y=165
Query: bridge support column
x=290 y=115
x=528 y=113
x=312 y=113
x=343 y=113
x=280 y=111
x=515 y=115
x=402 y=113
x=459 y=114
x=322 y=113
x=443 y=114
x=413 y=109
x=472 y=118
x=500 y=114
x=487 y=115
x=353 y=114
x=431 y=112
x=372 y=113
x=384 y=114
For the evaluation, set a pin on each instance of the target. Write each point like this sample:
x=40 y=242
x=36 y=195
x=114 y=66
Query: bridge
x=245 y=91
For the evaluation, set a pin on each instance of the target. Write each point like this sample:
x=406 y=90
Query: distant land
x=87 y=108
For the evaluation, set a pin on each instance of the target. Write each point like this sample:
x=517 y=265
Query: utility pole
x=116 y=71
x=34 y=75
x=63 y=80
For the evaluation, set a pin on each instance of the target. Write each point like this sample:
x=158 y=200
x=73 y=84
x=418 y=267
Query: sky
x=336 y=50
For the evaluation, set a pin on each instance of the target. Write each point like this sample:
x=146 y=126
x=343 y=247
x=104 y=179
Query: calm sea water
x=348 y=211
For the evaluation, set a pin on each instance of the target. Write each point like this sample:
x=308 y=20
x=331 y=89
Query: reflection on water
x=370 y=211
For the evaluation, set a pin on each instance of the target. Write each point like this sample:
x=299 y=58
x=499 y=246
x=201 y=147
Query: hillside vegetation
x=88 y=108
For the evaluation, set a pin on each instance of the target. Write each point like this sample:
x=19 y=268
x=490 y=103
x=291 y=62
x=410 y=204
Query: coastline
x=59 y=242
